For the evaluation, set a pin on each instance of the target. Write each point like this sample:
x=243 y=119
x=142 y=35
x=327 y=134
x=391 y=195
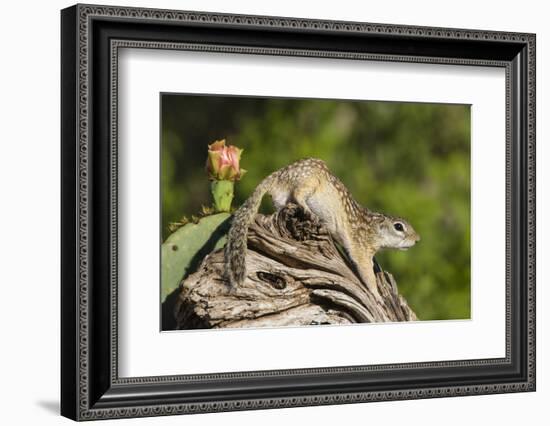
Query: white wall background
x=29 y=211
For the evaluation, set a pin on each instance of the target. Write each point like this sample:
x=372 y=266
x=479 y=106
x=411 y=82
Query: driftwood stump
x=295 y=276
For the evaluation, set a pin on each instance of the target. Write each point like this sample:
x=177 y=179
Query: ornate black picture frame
x=91 y=387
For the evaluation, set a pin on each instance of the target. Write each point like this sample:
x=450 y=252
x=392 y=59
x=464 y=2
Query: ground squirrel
x=310 y=184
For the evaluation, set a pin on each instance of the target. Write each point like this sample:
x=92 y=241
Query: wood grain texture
x=296 y=275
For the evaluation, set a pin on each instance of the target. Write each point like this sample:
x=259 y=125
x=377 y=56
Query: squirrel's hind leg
x=303 y=192
x=280 y=198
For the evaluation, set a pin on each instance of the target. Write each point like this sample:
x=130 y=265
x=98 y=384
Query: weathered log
x=296 y=275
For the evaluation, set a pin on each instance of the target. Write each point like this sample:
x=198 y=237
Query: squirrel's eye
x=398 y=226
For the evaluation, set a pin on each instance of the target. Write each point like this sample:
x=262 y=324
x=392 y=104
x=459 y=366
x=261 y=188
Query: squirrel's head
x=394 y=232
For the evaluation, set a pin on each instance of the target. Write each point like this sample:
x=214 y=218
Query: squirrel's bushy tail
x=235 y=248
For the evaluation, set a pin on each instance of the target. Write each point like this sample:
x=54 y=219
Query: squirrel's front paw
x=374 y=291
x=379 y=297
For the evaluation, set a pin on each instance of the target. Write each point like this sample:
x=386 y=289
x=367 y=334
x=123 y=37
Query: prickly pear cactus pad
x=183 y=250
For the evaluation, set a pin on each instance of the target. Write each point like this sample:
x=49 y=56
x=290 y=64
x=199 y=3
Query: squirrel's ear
x=378 y=218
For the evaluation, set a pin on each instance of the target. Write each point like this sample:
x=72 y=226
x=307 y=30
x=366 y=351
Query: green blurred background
x=406 y=159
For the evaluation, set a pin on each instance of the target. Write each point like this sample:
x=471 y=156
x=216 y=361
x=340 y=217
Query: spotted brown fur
x=310 y=184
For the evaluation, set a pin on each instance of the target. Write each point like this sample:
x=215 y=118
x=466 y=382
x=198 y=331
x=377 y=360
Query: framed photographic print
x=263 y=212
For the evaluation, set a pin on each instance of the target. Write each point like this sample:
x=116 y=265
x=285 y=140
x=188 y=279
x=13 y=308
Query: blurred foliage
x=406 y=159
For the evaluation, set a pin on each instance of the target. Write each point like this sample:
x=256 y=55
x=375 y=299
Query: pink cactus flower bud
x=223 y=162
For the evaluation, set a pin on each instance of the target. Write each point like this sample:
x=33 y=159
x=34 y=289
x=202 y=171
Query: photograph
x=302 y=212
x=268 y=209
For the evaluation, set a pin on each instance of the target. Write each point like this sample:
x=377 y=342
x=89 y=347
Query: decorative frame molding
x=91 y=37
